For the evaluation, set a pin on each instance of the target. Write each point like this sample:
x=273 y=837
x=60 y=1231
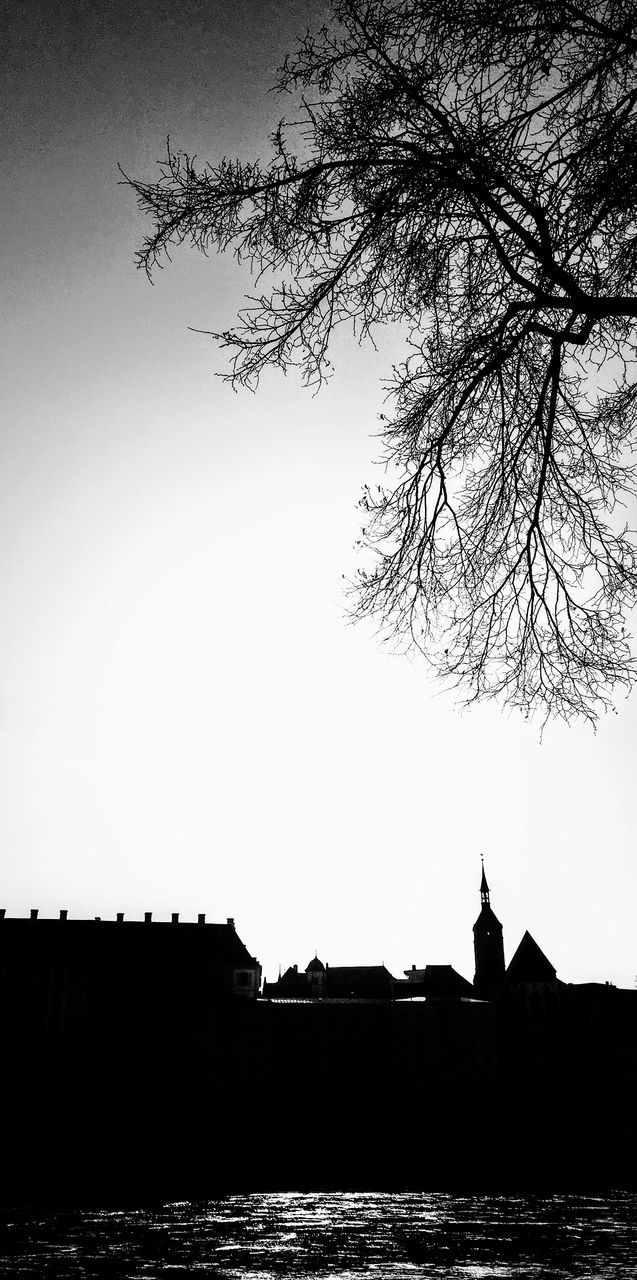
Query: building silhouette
x=60 y=974
x=325 y=982
x=142 y=1059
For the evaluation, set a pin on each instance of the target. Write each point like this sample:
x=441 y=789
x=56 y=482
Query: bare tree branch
x=471 y=172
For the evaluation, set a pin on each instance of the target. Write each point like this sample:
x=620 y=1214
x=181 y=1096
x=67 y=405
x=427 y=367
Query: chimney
x=148 y=915
x=120 y=917
x=34 y=913
x=174 y=919
x=413 y=967
x=64 y=915
x=201 y=919
x=2 y=912
x=296 y=968
x=230 y=921
x=98 y=919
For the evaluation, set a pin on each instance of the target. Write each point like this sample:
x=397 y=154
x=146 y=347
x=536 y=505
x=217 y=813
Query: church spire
x=488 y=946
x=484 y=888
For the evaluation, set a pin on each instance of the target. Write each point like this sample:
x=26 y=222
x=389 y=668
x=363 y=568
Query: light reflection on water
x=347 y=1235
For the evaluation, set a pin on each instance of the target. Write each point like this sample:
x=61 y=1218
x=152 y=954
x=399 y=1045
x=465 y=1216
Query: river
x=352 y=1235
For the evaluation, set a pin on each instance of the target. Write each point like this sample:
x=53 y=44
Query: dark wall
x=161 y=1087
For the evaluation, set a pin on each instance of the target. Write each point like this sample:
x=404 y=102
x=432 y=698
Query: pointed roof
x=315 y=966
x=487 y=921
x=529 y=964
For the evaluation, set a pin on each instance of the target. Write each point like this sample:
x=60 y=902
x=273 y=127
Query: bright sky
x=187 y=722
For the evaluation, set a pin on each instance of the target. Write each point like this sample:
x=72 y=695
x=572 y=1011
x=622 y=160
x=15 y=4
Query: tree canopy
x=467 y=169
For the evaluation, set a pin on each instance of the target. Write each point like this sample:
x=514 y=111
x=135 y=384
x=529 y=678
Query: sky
x=188 y=721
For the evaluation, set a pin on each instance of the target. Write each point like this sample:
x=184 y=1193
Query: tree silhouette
x=468 y=170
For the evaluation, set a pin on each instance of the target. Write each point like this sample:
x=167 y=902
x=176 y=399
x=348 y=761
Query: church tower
x=488 y=946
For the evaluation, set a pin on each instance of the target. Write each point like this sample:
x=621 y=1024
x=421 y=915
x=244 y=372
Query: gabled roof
x=359 y=982
x=364 y=981
x=529 y=964
x=292 y=983
x=126 y=942
x=437 y=982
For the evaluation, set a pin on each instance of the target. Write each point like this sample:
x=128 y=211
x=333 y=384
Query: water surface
x=355 y=1236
